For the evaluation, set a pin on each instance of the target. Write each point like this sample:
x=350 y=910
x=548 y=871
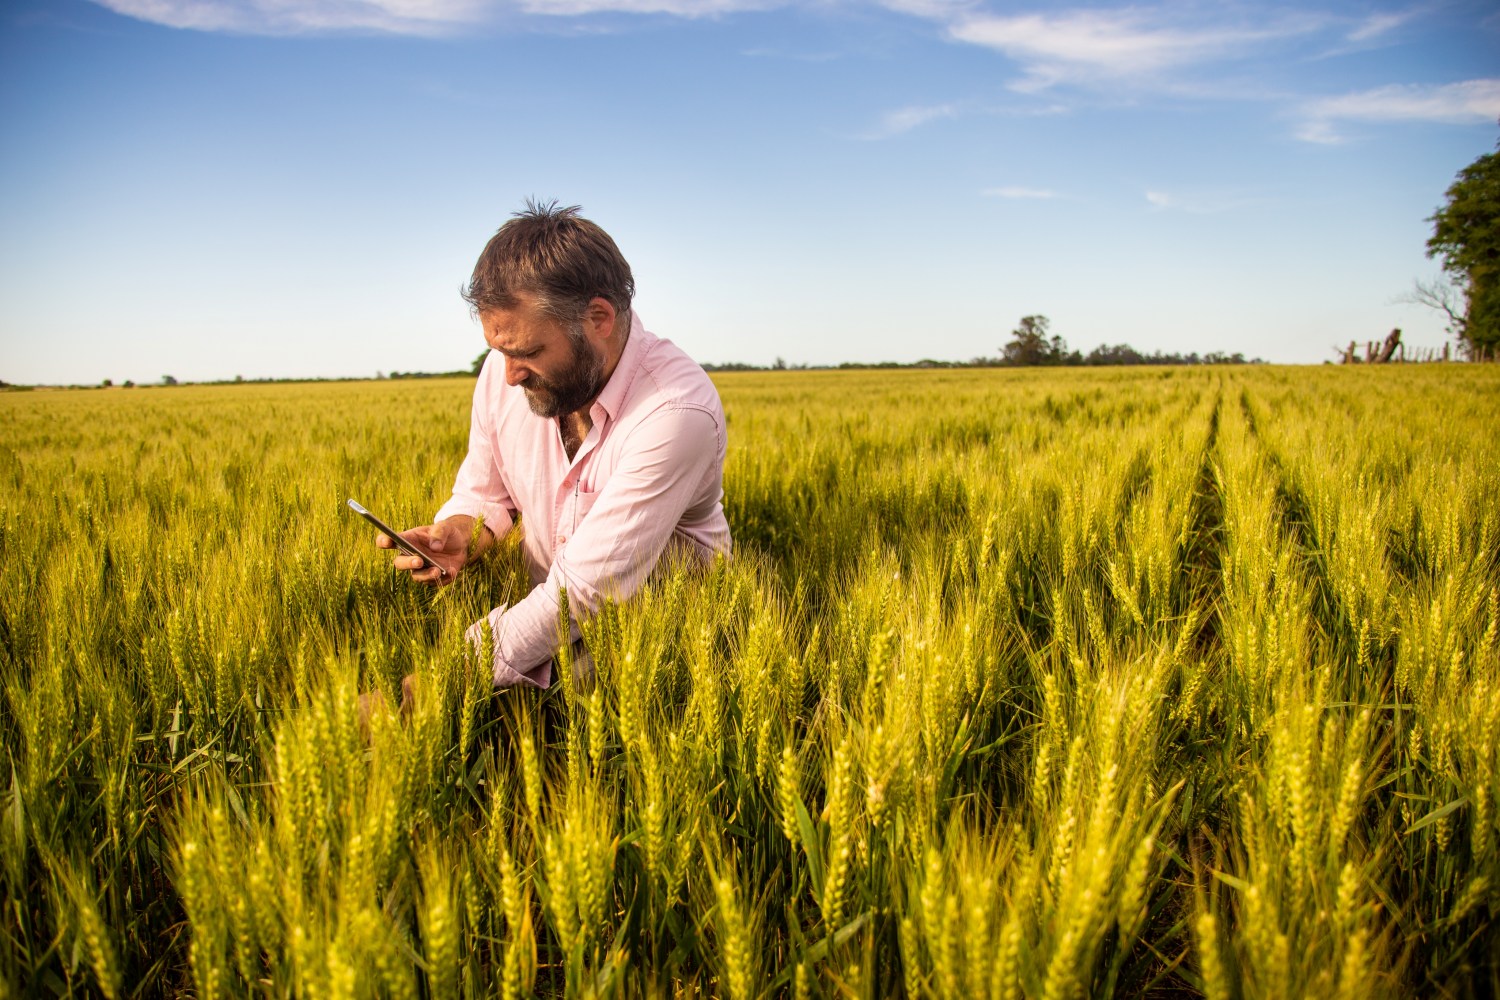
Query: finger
x=408 y=562
x=383 y=541
x=448 y=537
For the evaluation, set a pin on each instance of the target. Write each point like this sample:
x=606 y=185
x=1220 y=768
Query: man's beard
x=573 y=389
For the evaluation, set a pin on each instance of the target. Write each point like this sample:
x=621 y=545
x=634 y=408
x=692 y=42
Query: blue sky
x=299 y=187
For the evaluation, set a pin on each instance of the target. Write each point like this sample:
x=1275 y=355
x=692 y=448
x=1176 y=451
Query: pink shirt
x=649 y=474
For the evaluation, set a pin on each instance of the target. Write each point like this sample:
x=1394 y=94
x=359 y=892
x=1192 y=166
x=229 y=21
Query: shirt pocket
x=583 y=502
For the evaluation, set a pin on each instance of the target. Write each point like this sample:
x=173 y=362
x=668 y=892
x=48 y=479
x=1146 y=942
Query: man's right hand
x=448 y=541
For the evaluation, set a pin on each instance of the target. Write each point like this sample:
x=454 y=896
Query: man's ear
x=599 y=318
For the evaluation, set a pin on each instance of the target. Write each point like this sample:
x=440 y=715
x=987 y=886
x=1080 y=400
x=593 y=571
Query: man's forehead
x=524 y=322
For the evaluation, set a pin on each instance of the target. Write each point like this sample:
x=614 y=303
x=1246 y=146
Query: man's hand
x=373 y=701
x=448 y=541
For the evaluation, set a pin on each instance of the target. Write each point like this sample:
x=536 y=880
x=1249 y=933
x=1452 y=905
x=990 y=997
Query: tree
x=1444 y=296
x=168 y=380
x=1466 y=235
x=474 y=368
x=1028 y=342
x=1030 y=345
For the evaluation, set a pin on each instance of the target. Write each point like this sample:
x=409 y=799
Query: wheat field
x=1086 y=683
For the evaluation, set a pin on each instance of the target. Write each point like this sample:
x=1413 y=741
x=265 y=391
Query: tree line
x=1030 y=345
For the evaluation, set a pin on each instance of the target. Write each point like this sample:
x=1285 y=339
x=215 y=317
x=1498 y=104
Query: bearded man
x=605 y=441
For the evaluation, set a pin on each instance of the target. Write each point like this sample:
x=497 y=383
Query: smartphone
x=401 y=543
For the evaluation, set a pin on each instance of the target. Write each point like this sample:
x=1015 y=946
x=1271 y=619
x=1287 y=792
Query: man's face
x=559 y=373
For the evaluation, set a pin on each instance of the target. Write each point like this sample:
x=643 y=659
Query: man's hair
x=556 y=255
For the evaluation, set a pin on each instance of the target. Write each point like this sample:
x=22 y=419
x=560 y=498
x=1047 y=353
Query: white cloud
x=1199 y=202
x=1466 y=103
x=1129 y=42
x=1021 y=193
x=1469 y=101
x=905 y=119
x=676 y=8
x=790 y=54
x=937 y=10
x=404 y=17
x=293 y=17
x=1376 y=25
x=1320 y=132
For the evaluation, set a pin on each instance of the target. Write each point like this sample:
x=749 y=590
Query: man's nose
x=515 y=373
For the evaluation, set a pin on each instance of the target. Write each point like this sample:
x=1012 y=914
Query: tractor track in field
x=1203 y=556
x=1295 y=520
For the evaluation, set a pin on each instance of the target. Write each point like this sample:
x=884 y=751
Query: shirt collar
x=612 y=397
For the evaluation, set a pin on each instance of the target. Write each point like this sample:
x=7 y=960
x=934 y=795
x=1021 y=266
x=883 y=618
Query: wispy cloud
x=937 y=10
x=279 y=17
x=1200 y=202
x=894 y=123
x=402 y=17
x=792 y=55
x=1120 y=53
x=1469 y=102
x=1020 y=193
x=674 y=8
x=1377 y=25
x=1091 y=45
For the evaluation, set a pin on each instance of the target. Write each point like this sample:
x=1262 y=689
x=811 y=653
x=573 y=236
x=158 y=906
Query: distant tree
x=1028 y=342
x=1030 y=345
x=128 y=384
x=1466 y=235
x=779 y=365
x=168 y=380
x=107 y=383
x=474 y=368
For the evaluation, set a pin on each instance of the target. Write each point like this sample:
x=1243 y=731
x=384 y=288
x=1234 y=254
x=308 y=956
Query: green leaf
x=1437 y=814
x=810 y=846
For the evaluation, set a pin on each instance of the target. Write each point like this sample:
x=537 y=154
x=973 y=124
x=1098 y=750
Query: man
x=606 y=441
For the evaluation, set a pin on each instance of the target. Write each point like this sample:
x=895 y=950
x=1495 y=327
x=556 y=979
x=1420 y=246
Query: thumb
x=444 y=536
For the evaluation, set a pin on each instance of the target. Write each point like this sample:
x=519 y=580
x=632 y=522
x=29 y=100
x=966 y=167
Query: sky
x=299 y=188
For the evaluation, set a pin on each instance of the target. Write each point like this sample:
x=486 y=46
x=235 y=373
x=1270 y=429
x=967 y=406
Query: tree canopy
x=1466 y=235
x=1030 y=345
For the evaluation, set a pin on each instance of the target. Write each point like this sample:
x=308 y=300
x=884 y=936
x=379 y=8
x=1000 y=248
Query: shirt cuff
x=496 y=517
x=504 y=674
